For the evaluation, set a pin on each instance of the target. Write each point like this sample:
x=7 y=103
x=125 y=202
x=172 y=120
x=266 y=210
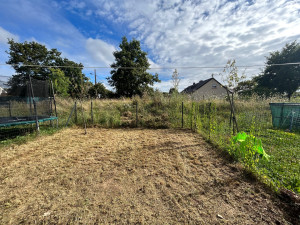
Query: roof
x=196 y=86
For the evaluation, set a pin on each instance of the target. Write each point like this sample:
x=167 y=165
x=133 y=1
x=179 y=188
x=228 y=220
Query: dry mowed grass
x=126 y=176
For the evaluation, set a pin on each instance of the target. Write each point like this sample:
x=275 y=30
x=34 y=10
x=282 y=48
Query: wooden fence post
x=51 y=111
x=54 y=101
x=195 y=117
x=209 y=119
x=136 y=115
x=232 y=116
x=92 y=115
x=83 y=116
x=182 y=115
x=34 y=107
x=75 y=108
x=192 y=114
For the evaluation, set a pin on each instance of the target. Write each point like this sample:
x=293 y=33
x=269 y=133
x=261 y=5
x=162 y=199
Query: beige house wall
x=211 y=89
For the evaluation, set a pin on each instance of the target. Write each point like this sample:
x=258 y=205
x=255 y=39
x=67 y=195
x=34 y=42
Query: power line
x=152 y=68
x=4 y=76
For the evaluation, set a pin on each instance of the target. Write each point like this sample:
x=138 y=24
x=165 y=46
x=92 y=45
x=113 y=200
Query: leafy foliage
x=79 y=81
x=31 y=53
x=99 y=90
x=37 y=55
x=281 y=79
x=245 y=88
x=60 y=82
x=249 y=146
x=173 y=90
x=132 y=79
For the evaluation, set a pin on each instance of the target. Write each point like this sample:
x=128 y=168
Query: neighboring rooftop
x=195 y=86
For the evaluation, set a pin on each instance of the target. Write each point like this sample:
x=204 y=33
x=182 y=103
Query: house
x=206 y=89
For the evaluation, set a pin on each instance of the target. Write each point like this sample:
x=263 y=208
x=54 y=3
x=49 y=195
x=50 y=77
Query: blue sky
x=174 y=33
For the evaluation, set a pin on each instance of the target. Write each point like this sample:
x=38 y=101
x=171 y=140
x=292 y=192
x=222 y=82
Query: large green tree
x=34 y=59
x=278 y=79
x=60 y=82
x=129 y=75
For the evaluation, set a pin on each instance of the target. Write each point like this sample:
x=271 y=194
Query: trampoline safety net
x=25 y=101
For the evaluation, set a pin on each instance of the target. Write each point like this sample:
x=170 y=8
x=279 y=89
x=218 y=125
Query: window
x=214 y=86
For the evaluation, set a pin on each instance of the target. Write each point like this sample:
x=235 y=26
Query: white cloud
x=163 y=86
x=208 y=33
x=4 y=35
x=100 y=51
x=175 y=33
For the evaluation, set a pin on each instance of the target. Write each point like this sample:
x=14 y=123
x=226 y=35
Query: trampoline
x=14 y=121
x=29 y=102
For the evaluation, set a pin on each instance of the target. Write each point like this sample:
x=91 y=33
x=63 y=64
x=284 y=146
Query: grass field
x=123 y=176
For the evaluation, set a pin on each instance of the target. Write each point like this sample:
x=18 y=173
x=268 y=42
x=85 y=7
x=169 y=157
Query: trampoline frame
x=34 y=118
x=23 y=121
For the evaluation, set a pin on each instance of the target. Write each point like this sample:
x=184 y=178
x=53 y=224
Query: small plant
x=249 y=148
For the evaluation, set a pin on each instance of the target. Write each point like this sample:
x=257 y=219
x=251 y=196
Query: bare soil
x=134 y=176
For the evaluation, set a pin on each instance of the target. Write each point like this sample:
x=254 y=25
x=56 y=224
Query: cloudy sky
x=174 y=33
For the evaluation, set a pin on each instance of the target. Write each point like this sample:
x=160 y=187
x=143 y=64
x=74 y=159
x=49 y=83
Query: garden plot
x=129 y=176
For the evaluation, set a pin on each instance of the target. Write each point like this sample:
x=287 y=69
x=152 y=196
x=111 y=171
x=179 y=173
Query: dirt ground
x=134 y=176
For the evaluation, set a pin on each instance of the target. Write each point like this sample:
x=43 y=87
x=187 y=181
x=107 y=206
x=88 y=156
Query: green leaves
x=281 y=79
x=60 y=82
x=132 y=79
x=37 y=55
x=240 y=137
x=249 y=146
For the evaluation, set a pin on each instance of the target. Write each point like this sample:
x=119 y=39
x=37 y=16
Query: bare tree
x=175 y=79
x=231 y=73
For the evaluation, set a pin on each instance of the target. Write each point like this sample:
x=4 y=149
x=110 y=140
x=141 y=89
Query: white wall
x=211 y=89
